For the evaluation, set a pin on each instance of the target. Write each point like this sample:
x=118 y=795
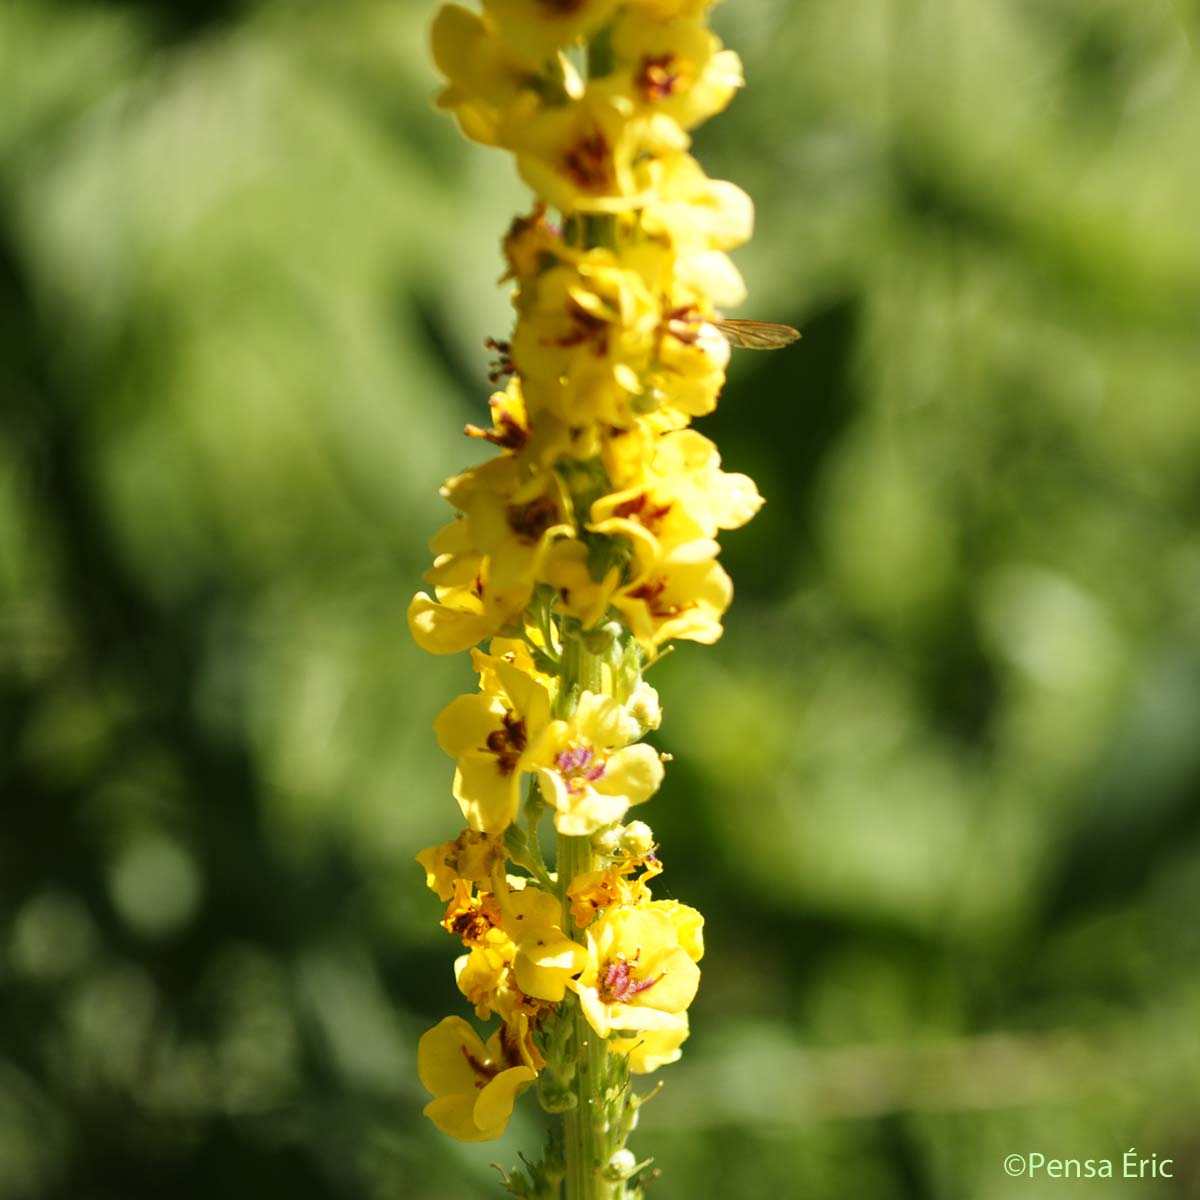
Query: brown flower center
x=484 y=1072
x=508 y=742
x=588 y=163
x=530 y=521
x=651 y=592
x=639 y=508
x=659 y=78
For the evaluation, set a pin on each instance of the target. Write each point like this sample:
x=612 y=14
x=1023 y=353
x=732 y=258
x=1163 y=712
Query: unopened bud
x=620 y=1166
x=637 y=839
x=608 y=841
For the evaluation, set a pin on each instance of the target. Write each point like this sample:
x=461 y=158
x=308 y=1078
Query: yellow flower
x=510 y=422
x=484 y=976
x=590 y=155
x=587 y=773
x=486 y=78
x=638 y=976
x=689 y=926
x=594 y=891
x=691 y=211
x=538 y=29
x=669 y=10
x=545 y=959
x=474 y=1086
x=585 y=332
x=531 y=245
x=519 y=959
x=489 y=735
x=676 y=68
x=471 y=856
x=650 y=1049
x=508 y=519
x=474 y=918
x=452 y=622
x=681 y=495
x=682 y=595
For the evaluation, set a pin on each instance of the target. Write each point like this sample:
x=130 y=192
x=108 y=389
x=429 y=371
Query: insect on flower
x=757 y=335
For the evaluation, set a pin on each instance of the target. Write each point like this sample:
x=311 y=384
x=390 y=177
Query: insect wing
x=757 y=335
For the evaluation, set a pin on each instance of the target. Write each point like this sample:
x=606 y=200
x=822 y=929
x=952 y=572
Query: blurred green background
x=937 y=790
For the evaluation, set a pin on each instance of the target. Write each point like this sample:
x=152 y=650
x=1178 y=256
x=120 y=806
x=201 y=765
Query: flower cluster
x=578 y=551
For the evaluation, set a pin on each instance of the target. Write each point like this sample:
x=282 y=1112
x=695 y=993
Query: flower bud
x=637 y=839
x=620 y=1166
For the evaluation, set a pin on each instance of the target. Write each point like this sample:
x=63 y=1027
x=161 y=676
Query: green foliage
x=937 y=791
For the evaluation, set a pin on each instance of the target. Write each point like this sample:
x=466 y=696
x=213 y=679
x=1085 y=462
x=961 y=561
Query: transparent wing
x=757 y=335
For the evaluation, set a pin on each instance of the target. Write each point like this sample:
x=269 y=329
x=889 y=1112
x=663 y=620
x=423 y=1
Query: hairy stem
x=587 y=1127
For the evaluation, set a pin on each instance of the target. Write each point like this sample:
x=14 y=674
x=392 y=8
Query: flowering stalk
x=578 y=552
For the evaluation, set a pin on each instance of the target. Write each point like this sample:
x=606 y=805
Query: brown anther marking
x=508 y=743
x=530 y=521
x=484 y=1074
x=502 y=364
x=656 y=80
x=588 y=330
x=588 y=163
x=470 y=925
x=684 y=324
x=651 y=592
x=471 y=920
x=508 y=433
x=639 y=509
x=563 y=8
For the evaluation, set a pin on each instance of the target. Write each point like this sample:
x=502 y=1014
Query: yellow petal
x=441 y=1064
x=455 y=1115
x=465 y=724
x=635 y=773
x=494 y=1105
x=440 y=629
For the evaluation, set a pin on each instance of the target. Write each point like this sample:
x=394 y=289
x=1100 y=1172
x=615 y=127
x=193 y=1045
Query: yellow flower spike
x=474 y=1086
x=676 y=68
x=586 y=544
x=587 y=774
x=637 y=976
x=489 y=735
x=538 y=29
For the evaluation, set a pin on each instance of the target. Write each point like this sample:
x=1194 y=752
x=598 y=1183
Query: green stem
x=585 y=1126
x=583 y=1180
